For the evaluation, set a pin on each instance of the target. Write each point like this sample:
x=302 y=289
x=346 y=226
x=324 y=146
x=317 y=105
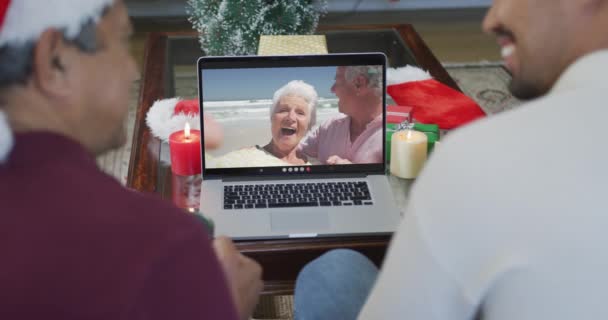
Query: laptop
x=272 y=176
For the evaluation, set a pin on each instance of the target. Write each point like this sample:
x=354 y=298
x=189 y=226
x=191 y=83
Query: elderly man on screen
x=356 y=135
x=74 y=243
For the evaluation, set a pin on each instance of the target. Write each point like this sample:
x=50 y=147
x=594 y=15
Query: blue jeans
x=334 y=286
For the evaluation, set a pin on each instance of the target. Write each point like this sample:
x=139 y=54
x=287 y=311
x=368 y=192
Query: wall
x=386 y=5
x=175 y=8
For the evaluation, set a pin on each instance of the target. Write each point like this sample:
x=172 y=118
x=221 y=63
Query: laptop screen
x=295 y=115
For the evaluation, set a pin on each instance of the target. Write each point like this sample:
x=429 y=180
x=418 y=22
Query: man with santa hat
x=508 y=218
x=74 y=243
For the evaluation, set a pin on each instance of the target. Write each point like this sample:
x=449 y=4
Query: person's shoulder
x=107 y=206
x=247 y=157
x=243 y=151
x=473 y=166
x=154 y=210
x=335 y=121
x=529 y=123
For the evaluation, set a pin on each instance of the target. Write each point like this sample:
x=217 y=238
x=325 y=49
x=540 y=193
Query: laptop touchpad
x=299 y=220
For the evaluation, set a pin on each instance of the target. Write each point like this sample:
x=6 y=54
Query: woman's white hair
x=373 y=74
x=301 y=89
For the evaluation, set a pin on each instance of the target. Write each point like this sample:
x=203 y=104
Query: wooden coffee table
x=170 y=61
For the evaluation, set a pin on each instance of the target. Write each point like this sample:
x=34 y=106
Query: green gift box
x=430 y=130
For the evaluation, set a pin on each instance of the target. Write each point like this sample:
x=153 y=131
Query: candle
x=185 y=147
x=408 y=153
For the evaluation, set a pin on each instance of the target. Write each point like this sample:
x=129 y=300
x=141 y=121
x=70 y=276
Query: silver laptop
x=287 y=167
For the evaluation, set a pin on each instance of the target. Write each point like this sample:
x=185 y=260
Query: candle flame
x=187 y=130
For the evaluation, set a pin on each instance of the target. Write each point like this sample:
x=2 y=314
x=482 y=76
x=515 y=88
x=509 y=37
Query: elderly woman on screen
x=292 y=114
x=355 y=136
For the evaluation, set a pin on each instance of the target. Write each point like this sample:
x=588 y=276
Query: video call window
x=293 y=116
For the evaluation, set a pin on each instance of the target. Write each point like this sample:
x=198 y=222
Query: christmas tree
x=233 y=27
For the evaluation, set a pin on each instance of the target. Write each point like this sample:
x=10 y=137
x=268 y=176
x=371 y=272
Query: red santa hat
x=170 y=115
x=23 y=21
x=431 y=100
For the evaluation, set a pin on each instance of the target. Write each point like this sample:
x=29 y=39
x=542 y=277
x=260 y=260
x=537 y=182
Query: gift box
x=295 y=44
x=398 y=114
x=430 y=130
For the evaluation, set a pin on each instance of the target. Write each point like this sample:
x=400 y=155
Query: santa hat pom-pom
x=170 y=115
x=406 y=74
x=6 y=138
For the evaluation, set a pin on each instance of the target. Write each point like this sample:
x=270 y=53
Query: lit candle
x=408 y=153
x=185 y=147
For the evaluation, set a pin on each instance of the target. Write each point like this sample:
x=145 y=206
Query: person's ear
x=587 y=7
x=49 y=64
x=360 y=82
x=594 y=3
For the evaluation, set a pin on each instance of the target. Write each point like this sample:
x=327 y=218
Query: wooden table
x=166 y=53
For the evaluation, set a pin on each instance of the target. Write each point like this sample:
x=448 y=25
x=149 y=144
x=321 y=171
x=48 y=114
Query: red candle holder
x=185 y=148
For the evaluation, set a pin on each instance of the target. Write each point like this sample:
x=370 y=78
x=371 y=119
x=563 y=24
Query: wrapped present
x=430 y=130
x=432 y=133
x=286 y=45
x=398 y=114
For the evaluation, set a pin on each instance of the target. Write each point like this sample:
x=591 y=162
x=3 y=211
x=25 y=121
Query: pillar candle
x=185 y=148
x=408 y=153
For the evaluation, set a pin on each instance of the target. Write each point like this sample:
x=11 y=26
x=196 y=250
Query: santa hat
x=23 y=21
x=431 y=100
x=170 y=115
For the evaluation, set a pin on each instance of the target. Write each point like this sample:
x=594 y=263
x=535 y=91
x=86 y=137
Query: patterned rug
x=486 y=83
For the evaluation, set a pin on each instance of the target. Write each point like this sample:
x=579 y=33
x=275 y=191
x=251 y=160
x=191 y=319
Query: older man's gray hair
x=373 y=74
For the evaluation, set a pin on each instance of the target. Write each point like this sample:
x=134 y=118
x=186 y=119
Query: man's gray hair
x=16 y=60
x=373 y=74
x=301 y=89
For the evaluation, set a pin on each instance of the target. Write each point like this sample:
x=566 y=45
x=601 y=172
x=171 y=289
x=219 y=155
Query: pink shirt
x=333 y=138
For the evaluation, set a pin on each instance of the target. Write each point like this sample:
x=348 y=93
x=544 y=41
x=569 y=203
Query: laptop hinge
x=295 y=177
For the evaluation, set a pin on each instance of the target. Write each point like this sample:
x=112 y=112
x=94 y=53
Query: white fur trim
x=27 y=19
x=6 y=138
x=163 y=123
x=406 y=74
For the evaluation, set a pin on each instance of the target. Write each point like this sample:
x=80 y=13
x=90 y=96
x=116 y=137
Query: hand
x=243 y=274
x=337 y=160
x=213 y=132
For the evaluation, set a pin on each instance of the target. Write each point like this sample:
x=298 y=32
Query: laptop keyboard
x=289 y=195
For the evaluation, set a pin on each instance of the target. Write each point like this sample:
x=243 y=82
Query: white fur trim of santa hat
x=6 y=138
x=25 y=20
x=162 y=122
x=406 y=74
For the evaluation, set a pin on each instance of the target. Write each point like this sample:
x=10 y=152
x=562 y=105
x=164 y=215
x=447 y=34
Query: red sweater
x=75 y=244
